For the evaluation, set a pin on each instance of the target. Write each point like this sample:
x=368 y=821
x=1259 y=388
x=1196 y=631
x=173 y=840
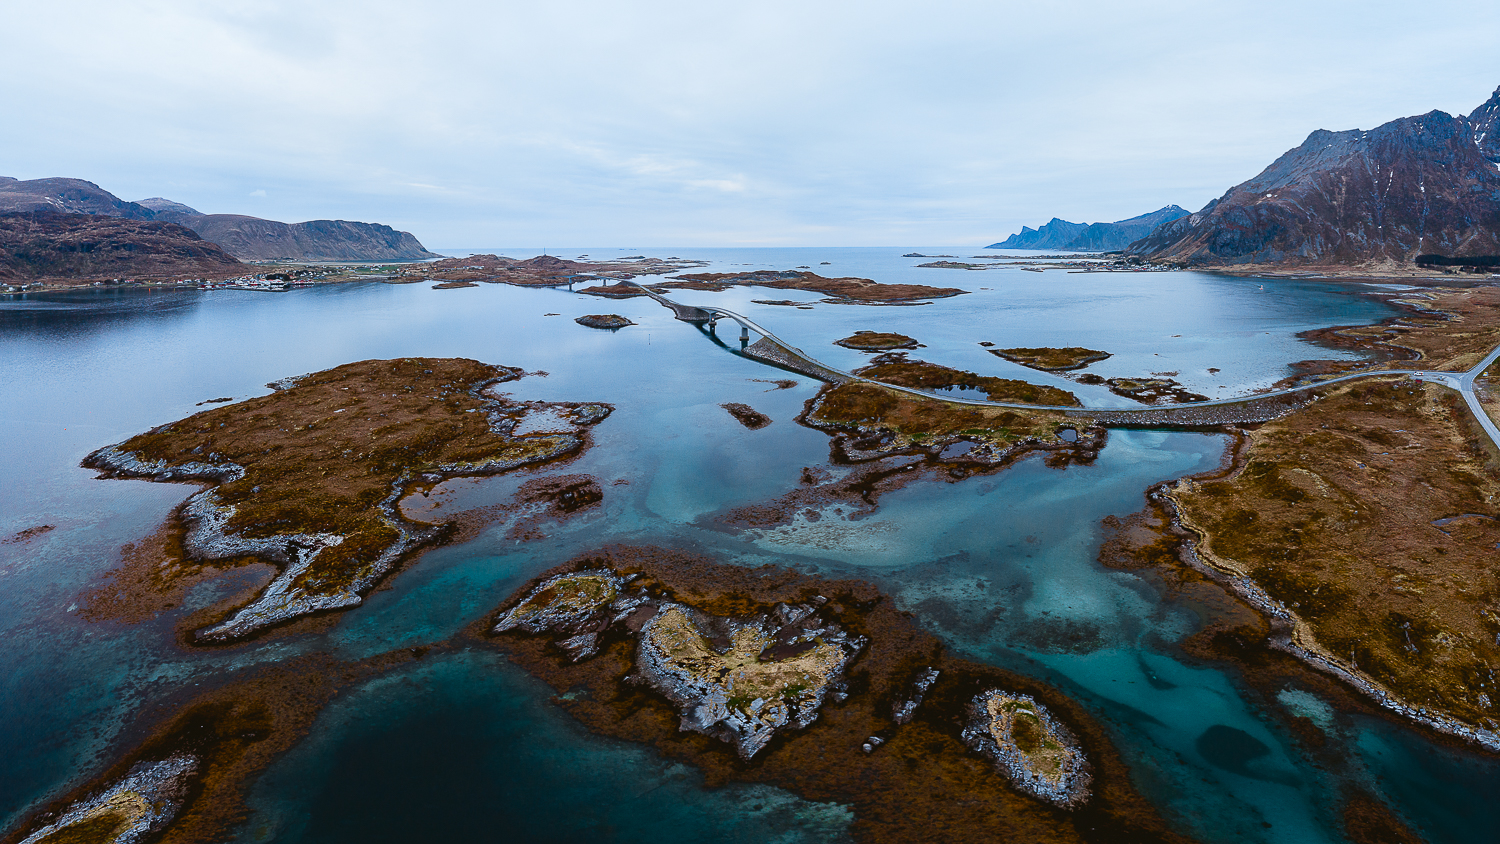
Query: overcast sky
x=657 y=122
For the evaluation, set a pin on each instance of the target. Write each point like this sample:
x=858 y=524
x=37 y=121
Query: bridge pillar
x=744 y=333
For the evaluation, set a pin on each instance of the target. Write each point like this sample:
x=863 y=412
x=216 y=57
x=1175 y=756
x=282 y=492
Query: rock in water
x=603 y=321
x=744 y=680
x=1029 y=746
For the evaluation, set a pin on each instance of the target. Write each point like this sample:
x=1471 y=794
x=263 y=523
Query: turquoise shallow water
x=1003 y=566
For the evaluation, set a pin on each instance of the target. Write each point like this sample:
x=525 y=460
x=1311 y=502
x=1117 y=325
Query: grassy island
x=1052 y=360
x=1029 y=746
x=849 y=290
x=309 y=478
x=610 y=321
x=875 y=341
x=870 y=420
x=921 y=375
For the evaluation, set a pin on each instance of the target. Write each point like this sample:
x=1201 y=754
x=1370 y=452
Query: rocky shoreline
x=368 y=536
x=1029 y=746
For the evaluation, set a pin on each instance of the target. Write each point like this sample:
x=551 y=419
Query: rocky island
x=309 y=479
x=1029 y=746
x=819 y=686
x=848 y=290
x=877 y=341
x=868 y=420
x=1052 y=360
x=608 y=321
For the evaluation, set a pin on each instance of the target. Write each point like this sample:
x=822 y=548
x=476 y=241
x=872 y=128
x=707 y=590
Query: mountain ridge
x=1090 y=237
x=1423 y=184
x=47 y=243
x=244 y=237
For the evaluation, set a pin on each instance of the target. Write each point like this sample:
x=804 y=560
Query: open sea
x=1002 y=566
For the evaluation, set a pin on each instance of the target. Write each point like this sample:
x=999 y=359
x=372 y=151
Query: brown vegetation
x=44 y=245
x=920 y=784
x=1372 y=517
x=327 y=454
x=1052 y=360
x=874 y=341
x=921 y=375
x=853 y=289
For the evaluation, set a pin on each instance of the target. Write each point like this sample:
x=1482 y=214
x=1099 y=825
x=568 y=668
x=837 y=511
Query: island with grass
x=1052 y=359
x=876 y=341
x=310 y=478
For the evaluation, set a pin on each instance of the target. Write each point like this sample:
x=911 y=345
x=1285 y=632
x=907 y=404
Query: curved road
x=1463 y=382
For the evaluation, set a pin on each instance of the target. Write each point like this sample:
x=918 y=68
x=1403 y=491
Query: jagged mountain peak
x=1484 y=122
x=1412 y=185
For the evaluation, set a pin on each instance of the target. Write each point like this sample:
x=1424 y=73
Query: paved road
x=1463 y=382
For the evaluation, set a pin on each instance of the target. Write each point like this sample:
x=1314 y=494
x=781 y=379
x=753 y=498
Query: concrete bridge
x=1255 y=407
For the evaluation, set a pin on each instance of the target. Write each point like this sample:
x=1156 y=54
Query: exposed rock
x=904 y=708
x=141 y=803
x=1484 y=122
x=577 y=607
x=747 y=415
x=1029 y=746
x=745 y=680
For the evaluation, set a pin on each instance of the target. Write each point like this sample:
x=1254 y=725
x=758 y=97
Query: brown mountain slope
x=1412 y=186
x=47 y=244
x=246 y=238
x=254 y=239
x=67 y=196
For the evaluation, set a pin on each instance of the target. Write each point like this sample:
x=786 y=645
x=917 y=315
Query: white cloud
x=257 y=193
x=667 y=121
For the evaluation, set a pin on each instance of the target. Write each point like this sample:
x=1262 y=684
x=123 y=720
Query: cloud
x=257 y=193
x=593 y=122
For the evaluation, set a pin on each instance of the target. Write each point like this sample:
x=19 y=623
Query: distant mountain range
x=1419 y=185
x=247 y=238
x=1090 y=237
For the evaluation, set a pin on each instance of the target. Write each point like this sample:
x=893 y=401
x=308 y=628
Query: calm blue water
x=1002 y=566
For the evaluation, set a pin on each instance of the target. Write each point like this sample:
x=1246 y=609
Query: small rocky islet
x=1052 y=359
x=609 y=321
x=877 y=341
